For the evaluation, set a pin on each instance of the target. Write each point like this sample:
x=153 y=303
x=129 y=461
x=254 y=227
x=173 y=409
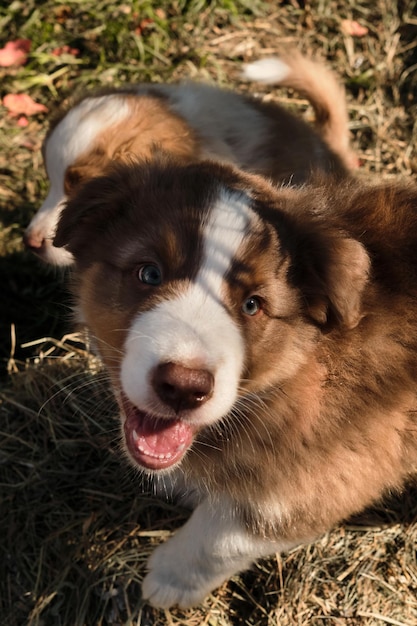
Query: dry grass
x=75 y=525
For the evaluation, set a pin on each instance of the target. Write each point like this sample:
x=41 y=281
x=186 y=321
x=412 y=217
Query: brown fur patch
x=150 y=128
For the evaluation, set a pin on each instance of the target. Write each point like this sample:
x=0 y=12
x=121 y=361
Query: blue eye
x=150 y=275
x=251 y=306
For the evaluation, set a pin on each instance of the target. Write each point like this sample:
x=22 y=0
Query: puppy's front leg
x=212 y=546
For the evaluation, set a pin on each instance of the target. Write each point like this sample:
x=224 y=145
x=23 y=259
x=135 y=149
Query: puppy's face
x=184 y=279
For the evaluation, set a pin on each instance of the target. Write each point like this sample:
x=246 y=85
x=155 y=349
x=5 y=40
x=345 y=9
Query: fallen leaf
x=57 y=52
x=22 y=121
x=15 y=52
x=22 y=104
x=353 y=28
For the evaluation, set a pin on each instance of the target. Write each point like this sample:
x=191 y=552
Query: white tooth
x=161 y=457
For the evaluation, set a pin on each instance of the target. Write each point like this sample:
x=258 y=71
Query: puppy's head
x=199 y=287
x=80 y=145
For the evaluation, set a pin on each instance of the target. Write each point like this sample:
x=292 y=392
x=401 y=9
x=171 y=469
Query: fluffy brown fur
x=325 y=423
x=150 y=127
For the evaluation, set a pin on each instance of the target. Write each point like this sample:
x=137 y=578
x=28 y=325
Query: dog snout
x=182 y=387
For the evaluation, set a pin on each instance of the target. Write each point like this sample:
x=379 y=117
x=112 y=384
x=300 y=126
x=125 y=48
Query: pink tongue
x=161 y=437
x=156 y=443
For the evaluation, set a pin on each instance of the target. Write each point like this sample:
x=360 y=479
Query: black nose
x=182 y=387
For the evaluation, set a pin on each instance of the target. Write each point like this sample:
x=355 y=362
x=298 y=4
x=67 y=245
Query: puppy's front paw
x=174 y=580
x=211 y=547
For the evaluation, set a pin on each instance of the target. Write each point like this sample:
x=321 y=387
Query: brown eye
x=150 y=275
x=251 y=306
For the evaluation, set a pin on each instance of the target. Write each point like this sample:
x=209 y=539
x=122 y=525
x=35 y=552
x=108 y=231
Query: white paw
x=210 y=548
x=174 y=580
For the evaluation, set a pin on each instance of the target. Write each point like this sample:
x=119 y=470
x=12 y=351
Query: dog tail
x=321 y=88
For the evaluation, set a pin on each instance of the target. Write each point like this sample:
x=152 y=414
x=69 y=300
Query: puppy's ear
x=85 y=169
x=345 y=279
x=332 y=271
x=85 y=215
x=76 y=175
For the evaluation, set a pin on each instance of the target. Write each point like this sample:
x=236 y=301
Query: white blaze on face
x=194 y=328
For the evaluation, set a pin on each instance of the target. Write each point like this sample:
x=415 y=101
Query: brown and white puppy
x=262 y=346
x=193 y=122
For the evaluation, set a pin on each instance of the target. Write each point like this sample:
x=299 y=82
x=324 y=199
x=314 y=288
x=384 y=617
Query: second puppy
x=194 y=122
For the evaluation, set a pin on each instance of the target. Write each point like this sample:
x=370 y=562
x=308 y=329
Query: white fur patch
x=193 y=328
x=272 y=70
x=212 y=546
x=77 y=131
x=231 y=129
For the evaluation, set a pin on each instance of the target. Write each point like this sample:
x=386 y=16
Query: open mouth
x=155 y=443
